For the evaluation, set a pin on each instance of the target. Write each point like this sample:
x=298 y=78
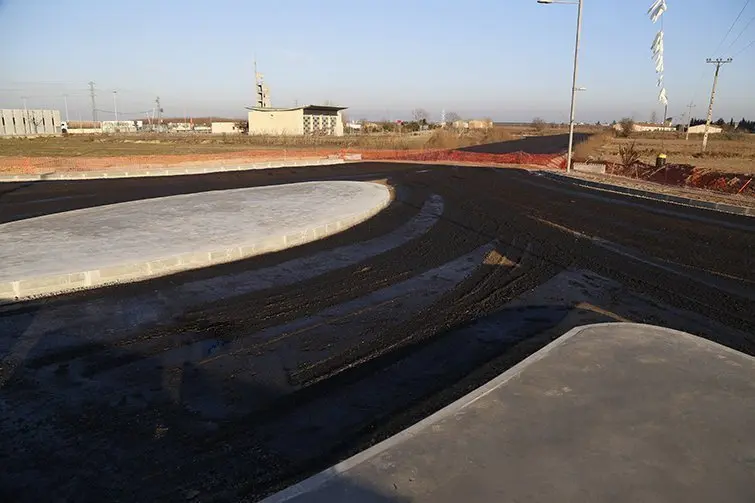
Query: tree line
x=743 y=125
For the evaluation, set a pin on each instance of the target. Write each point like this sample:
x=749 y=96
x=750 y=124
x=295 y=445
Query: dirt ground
x=120 y=145
x=107 y=145
x=735 y=155
x=145 y=151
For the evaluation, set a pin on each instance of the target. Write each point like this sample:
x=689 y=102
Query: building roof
x=274 y=109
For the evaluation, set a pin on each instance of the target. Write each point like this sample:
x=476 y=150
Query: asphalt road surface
x=228 y=383
x=552 y=144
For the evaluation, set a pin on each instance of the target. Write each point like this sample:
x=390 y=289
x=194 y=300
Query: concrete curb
x=315 y=482
x=167 y=171
x=668 y=198
x=55 y=284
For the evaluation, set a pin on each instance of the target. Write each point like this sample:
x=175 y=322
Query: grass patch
x=590 y=149
x=725 y=153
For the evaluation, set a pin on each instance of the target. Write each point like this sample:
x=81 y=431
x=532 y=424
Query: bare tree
x=627 y=127
x=452 y=117
x=653 y=117
x=538 y=124
x=420 y=114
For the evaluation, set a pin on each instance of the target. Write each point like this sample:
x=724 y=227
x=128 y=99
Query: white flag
x=657 y=9
x=657 y=40
x=662 y=97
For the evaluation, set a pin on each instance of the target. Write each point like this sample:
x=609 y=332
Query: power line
x=731 y=27
x=741 y=32
x=696 y=88
x=124 y=113
x=745 y=48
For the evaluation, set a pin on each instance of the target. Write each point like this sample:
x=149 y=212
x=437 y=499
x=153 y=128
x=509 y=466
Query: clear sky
x=505 y=59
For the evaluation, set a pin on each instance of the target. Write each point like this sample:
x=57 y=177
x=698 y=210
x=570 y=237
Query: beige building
x=480 y=124
x=305 y=120
x=700 y=129
x=472 y=124
x=641 y=127
x=224 y=128
x=28 y=122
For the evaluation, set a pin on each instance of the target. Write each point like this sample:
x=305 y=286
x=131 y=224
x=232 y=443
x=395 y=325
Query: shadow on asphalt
x=553 y=144
x=100 y=439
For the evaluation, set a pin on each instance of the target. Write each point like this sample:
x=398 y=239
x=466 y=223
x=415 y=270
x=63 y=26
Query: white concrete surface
x=140 y=239
x=67 y=324
x=618 y=412
x=584 y=167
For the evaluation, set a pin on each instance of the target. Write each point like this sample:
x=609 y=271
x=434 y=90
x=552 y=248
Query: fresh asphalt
x=570 y=256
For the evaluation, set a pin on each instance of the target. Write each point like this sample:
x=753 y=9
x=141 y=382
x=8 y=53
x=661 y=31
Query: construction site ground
x=536 y=151
x=729 y=153
x=690 y=192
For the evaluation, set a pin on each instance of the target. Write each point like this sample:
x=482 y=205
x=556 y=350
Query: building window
x=307 y=124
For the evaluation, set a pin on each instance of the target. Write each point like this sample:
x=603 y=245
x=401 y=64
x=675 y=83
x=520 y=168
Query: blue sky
x=505 y=59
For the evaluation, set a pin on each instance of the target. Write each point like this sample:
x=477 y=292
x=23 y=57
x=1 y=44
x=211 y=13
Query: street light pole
x=574 y=88
x=65 y=102
x=115 y=106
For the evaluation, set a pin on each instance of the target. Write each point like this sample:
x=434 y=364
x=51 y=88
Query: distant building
x=640 y=127
x=224 y=128
x=472 y=124
x=480 y=124
x=20 y=122
x=119 y=126
x=700 y=129
x=180 y=127
x=298 y=121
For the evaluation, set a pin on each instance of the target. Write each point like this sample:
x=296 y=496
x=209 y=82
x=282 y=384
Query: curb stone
x=668 y=198
x=61 y=283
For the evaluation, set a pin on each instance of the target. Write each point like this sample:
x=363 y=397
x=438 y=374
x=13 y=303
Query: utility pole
x=159 y=112
x=689 y=119
x=718 y=62
x=26 y=116
x=94 y=104
x=65 y=102
x=115 y=106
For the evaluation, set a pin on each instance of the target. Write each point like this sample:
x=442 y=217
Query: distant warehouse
x=224 y=128
x=20 y=122
x=298 y=121
x=700 y=129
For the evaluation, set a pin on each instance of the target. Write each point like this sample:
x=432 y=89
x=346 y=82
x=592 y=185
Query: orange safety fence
x=461 y=156
x=39 y=165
